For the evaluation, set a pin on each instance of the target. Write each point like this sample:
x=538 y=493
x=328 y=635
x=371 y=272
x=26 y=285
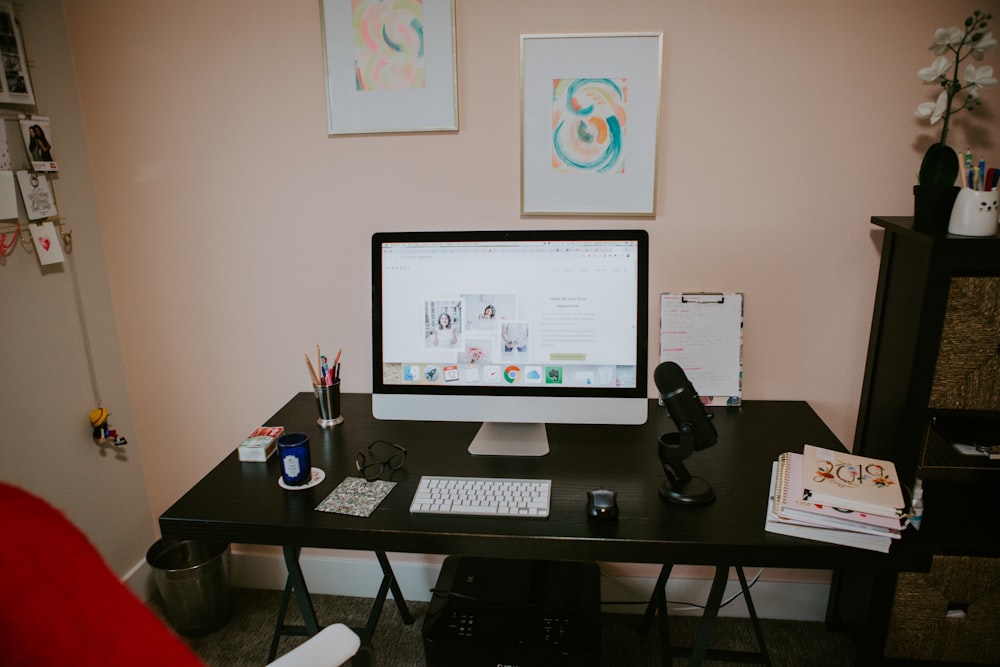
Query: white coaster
x=315 y=478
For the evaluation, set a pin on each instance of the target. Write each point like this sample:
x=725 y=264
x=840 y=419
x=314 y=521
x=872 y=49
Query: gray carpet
x=246 y=638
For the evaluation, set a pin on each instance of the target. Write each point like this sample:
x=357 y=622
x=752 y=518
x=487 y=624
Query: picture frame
x=590 y=107
x=15 y=82
x=391 y=66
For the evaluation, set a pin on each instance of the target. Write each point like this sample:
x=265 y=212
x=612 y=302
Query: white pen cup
x=975 y=213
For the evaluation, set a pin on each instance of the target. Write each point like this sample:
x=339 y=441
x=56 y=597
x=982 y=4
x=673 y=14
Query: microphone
x=679 y=397
x=696 y=431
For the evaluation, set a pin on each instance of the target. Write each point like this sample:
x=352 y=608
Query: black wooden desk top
x=241 y=502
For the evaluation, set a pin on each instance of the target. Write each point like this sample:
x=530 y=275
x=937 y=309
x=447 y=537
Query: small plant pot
x=932 y=208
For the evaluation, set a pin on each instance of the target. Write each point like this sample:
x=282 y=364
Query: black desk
x=242 y=502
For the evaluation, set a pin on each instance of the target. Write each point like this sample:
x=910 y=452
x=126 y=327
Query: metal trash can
x=193 y=578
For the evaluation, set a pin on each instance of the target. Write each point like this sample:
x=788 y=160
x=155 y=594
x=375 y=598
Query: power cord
x=638 y=598
x=685 y=606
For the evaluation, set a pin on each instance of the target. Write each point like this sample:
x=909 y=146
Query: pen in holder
x=328 y=402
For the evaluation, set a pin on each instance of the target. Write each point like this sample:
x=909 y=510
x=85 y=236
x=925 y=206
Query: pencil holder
x=975 y=213
x=328 y=402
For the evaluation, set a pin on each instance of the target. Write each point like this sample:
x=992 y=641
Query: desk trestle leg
x=700 y=651
x=296 y=584
x=388 y=583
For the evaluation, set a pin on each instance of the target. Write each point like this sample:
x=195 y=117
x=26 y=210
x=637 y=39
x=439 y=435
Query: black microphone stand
x=680 y=486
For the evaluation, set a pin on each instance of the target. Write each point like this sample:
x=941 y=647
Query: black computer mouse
x=602 y=505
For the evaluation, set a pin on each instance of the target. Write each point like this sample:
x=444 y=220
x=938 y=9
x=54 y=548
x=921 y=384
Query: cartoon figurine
x=99 y=420
x=103 y=433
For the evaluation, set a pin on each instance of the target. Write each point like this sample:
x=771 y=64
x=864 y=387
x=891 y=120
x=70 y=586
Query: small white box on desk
x=260 y=444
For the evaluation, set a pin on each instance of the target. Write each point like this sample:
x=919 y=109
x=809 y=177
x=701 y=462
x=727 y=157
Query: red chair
x=62 y=604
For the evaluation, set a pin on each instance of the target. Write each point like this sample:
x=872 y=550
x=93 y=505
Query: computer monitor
x=515 y=329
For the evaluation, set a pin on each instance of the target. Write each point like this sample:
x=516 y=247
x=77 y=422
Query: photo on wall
x=15 y=85
x=37 y=134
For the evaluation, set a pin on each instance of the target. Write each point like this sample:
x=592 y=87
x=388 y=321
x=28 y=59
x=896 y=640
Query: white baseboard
x=140 y=580
x=781 y=594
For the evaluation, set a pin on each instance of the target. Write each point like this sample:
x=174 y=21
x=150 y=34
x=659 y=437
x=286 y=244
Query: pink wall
x=237 y=231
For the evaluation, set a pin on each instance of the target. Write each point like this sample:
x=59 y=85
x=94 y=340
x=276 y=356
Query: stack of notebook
x=835 y=497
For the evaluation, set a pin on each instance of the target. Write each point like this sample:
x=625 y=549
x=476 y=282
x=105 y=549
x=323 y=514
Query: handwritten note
x=703 y=334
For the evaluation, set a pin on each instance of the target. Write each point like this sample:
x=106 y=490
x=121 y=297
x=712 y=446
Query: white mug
x=976 y=213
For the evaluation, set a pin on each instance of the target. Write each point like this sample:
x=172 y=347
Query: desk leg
x=295 y=585
x=699 y=651
x=658 y=602
x=763 y=655
x=388 y=583
x=658 y=607
x=301 y=592
x=700 y=646
x=397 y=594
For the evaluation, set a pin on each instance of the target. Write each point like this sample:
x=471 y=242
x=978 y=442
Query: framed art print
x=590 y=107
x=15 y=85
x=390 y=66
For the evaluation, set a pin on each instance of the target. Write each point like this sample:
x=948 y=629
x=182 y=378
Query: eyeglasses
x=372 y=466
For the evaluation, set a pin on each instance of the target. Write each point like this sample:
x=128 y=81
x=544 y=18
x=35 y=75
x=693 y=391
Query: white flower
x=934 y=110
x=953 y=47
x=983 y=44
x=937 y=71
x=979 y=77
x=945 y=38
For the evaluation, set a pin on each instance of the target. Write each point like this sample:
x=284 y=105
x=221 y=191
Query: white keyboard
x=482 y=496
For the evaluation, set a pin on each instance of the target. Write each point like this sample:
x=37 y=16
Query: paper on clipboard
x=703 y=334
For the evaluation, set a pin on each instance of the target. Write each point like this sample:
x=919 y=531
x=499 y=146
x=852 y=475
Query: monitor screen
x=514 y=329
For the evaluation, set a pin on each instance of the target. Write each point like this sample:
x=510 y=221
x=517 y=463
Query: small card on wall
x=8 y=196
x=37 y=195
x=46 y=243
x=4 y=146
x=37 y=136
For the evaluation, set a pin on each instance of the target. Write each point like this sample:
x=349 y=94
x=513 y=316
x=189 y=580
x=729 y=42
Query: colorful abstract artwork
x=590 y=108
x=388 y=44
x=588 y=125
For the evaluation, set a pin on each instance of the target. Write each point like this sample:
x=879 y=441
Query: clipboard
x=702 y=332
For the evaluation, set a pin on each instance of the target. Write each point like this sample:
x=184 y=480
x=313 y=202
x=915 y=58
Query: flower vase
x=932 y=207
